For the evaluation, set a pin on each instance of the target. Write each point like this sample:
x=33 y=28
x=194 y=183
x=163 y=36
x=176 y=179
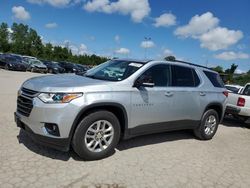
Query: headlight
x=58 y=97
x=10 y=64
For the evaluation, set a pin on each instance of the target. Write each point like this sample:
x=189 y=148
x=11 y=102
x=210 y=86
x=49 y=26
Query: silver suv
x=120 y=99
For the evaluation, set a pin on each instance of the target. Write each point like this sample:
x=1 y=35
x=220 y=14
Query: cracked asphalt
x=173 y=159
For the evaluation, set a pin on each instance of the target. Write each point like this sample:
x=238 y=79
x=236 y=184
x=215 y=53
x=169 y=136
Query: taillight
x=241 y=102
x=225 y=93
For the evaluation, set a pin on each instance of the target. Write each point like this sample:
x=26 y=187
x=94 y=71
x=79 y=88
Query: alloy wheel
x=99 y=136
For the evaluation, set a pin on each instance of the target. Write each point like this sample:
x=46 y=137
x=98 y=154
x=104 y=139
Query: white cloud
x=167 y=52
x=83 y=49
x=239 y=71
x=55 y=3
x=51 y=25
x=165 y=20
x=20 y=13
x=198 y=25
x=117 y=39
x=231 y=56
x=123 y=51
x=137 y=9
x=147 y=44
x=206 y=29
x=10 y=30
x=220 y=38
x=75 y=49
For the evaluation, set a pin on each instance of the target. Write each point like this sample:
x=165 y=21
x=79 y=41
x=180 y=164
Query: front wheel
x=96 y=135
x=208 y=125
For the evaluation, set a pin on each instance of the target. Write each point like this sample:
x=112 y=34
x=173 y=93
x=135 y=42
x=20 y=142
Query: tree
x=232 y=69
x=48 y=51
x=34 y=44
x=230 y=72
x=4 y=38
x=170 y=58
x=218 y=69
x=26 y=41
x=19 y=39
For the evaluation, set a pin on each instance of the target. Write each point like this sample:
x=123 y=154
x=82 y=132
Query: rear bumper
x=232 y=110
x=62 y=144
x=235 y=110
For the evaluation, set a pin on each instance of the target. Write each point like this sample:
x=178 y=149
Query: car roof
x=133 y=60
x=176 y=62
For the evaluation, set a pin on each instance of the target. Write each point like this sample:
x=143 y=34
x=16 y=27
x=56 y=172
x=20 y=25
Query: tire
x=206 y=129
x=87 y=133
x=50 y=71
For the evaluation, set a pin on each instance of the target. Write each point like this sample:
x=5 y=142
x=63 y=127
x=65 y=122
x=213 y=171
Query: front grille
x=25 y=101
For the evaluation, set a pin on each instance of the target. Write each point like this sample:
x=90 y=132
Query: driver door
x=152 y=101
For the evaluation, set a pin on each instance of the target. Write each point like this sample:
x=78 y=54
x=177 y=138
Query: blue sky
x=205 y=32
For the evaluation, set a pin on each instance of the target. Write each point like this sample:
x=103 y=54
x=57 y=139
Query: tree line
x=23 y=40
x=230 y=76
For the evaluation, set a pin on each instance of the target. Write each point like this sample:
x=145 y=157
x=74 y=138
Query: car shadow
x=230 y=121
x=157 y=138
x=24 y=139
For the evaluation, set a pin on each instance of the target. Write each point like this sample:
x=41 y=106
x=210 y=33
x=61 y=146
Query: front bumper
x=42 y=114
x=42 y=70
x=62 y=144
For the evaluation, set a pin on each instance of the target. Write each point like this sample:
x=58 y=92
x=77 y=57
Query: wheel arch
x=117 y=109
x=217 y=107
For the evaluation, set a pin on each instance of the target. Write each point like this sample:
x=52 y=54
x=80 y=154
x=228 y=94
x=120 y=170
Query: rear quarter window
x=215 y=79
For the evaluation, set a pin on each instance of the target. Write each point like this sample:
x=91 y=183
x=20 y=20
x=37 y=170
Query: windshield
x=36 y=62
x=114 y=70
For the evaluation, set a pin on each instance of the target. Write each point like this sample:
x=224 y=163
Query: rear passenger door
x=186 y=94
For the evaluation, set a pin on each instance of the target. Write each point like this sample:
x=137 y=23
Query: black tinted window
x=214 y=78
x=247 y=90
x=184 y=77
x=158 y=74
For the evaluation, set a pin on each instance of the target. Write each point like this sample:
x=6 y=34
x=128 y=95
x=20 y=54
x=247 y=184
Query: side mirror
x=143 y=82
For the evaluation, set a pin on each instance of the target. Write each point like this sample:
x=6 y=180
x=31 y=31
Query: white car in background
x=239 y=104
x=234 y=88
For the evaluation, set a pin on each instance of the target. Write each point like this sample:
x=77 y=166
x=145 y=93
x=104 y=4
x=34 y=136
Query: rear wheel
x=96 y=135
x=208 y=125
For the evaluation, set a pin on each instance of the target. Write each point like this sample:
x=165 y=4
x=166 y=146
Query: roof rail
x=179 y=61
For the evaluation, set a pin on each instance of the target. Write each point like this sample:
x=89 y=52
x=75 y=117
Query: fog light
x=52 y=129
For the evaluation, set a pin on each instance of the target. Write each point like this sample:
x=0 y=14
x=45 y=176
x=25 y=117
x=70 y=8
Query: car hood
x=63 y=83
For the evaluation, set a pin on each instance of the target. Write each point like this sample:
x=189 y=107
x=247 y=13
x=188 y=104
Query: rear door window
x=184 y=77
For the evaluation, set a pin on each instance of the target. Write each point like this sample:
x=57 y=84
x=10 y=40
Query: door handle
x=202 y=93
x=168 y=94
